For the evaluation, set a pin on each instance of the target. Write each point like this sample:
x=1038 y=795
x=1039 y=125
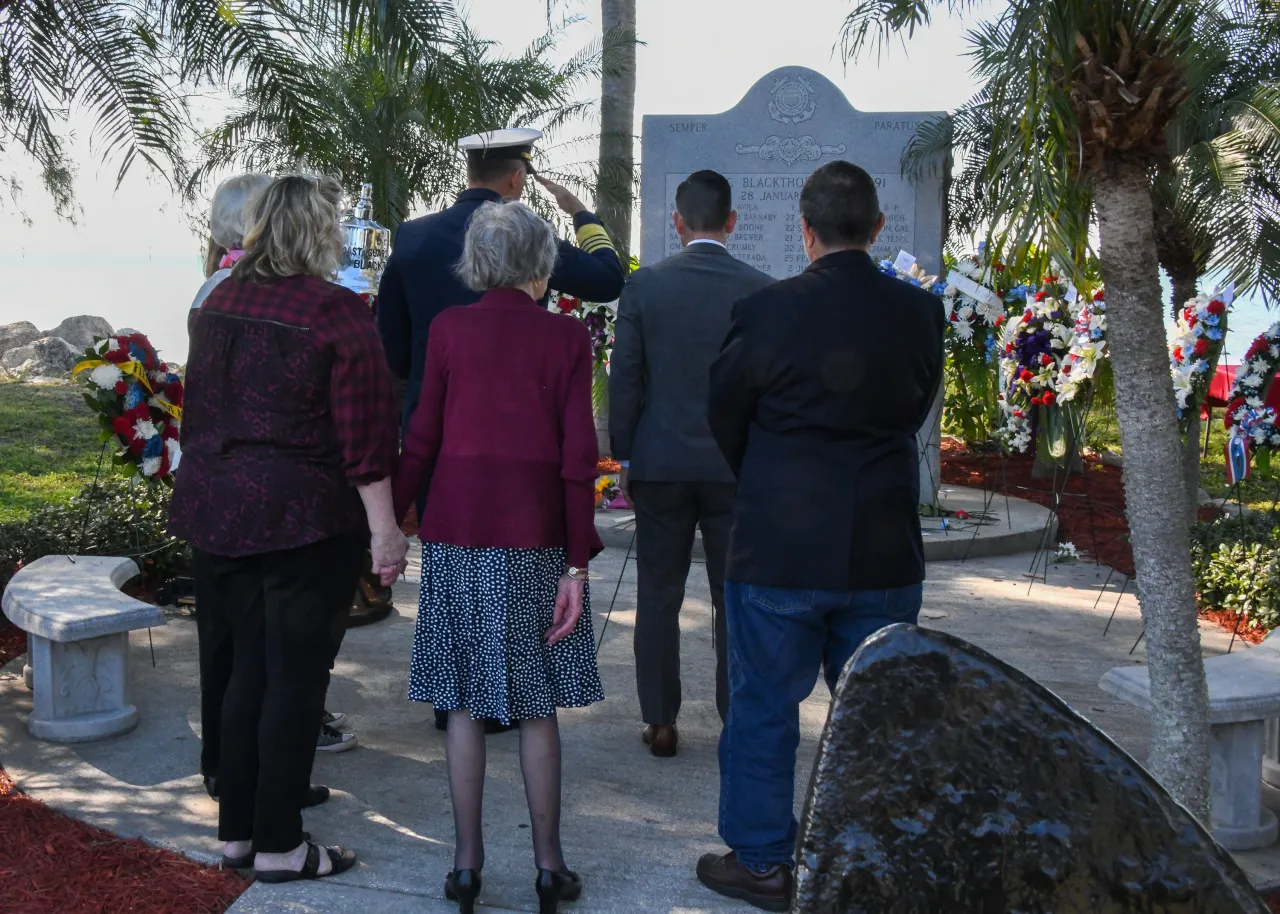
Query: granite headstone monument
x=948 y=781
x=789 y=123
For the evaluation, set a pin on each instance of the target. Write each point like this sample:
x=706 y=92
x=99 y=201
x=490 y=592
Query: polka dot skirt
x=480 y=643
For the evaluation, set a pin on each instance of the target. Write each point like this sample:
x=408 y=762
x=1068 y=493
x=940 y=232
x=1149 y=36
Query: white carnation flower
x=150 y=466
x=106 y=376
x=144 y=429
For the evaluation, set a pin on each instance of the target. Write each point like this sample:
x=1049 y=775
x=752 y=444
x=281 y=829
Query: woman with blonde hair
x=504 y=432
x=289 y=440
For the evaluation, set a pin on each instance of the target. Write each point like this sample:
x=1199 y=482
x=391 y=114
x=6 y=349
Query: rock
x=1111 y=459
x=81 y=331
x=50 y=357
x=19 y=334
x=949 y=781
x=1203 y=497
x=1231 y=507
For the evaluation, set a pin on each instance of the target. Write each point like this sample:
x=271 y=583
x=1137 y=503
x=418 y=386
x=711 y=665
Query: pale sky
x=133 y=258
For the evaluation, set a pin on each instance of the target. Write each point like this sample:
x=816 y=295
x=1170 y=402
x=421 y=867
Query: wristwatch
x=578 y=574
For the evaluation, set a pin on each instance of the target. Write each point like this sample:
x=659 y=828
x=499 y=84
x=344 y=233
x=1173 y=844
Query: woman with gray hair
x=504 y=432
x=226 y=233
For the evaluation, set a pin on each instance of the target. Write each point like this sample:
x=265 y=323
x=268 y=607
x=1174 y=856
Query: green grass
x=49 y=447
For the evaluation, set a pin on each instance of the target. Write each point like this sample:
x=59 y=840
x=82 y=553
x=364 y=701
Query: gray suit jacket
x=672 y=321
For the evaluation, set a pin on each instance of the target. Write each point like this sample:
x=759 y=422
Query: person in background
x=420 y=279
x=226 y=234
x=227 y=217
x=504 y=444
x=289 y=440
x=672 y=320
x=817 y=417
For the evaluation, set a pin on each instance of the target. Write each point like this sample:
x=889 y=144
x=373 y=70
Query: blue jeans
x=778 y=640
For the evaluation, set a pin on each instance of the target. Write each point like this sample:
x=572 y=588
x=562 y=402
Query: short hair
x=705 y=200
x=293 y=230
x=227 y=216
x=840 y=204
x=507 y=245
x=488 y=169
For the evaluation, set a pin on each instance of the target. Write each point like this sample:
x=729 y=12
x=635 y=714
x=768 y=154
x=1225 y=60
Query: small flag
x=1238 y=458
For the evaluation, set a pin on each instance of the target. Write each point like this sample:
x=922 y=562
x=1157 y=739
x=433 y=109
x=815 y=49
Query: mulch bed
x=1090 y=513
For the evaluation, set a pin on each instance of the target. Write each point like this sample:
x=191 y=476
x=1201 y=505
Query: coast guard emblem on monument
x=791 y=101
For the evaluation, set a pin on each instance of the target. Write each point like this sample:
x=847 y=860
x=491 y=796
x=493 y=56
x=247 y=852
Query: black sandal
x=246 y=862
x=341 y=858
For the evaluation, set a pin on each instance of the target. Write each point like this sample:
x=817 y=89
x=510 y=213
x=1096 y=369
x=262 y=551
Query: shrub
x=1237 y=566
x=113 y=517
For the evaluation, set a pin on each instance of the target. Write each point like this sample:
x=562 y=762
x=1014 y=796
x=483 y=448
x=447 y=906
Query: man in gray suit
x=672 y=319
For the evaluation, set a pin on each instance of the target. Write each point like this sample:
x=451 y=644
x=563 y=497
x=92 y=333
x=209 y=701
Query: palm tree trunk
x=1184 y=289
x=1179 y=756
x=617 y=122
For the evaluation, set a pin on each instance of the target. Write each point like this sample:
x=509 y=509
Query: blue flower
x=1197 y=330
x=154 y=447
x=1201 y=366
x=982 y=248
x=1095 y=334
x=938 y=288
x=1211 y=320
x=1214 y=334
x=134 y=395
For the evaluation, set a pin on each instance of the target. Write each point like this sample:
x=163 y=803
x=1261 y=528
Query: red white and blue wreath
x=1251 y=424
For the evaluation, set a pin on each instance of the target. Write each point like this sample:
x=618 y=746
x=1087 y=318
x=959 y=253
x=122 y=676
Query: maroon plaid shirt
x=289 y=406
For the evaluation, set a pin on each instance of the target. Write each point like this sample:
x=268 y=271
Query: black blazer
x=672 y=321
x=816 y=398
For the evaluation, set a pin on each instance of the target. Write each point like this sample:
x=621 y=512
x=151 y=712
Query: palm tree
x=367 y=113
x=1086 y=91
x=615 y=193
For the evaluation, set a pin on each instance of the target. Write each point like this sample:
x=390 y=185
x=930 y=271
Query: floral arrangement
x=606 y=491
x=1250 y=422
x=1197 y=345
x=607 y=465
x=1066 y=554
x=599 y=320
x=1036 y=347
x=1088 y=348
x=138 y=399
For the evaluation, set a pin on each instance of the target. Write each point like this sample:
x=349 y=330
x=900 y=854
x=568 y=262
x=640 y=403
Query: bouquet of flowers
x=599 y=320
x=1035 y=348
x=1202 y=325
x=1088 y=348
x=138 y=399
x=606 y=491
x=1251 y=424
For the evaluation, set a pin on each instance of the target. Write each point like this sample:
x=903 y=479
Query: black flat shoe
x=211 y=785
x=553 y=888
x=341 y=859
x=463 y=886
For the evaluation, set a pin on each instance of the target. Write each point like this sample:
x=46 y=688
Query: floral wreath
x=138 y=399
x=1088 y=348
x=1202 y=329
x=1251 y=424
x=1035 y=350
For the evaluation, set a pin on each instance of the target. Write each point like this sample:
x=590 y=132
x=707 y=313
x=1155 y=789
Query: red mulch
x=52 y=864
x=1105 y=535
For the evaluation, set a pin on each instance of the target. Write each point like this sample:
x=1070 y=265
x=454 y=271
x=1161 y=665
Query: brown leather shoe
x=770 y=891
x=662 y=739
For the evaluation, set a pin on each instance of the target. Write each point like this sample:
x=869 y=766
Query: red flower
x=1026 y=317
x=1008 y=348
x=122 y=427
x=1097 y=296
x=1026 y=376
x=1177 y=353
x=1037 y=401
x=121 y=388
x=999 y=320
x=567 y=303
x=962 y=515
x=1051 y=278
x=1066 y=369
x=1041 y=295
x=173 y=392
x=952 y=317
x=1202 y=346
x=1046 y=359
x=170 y=431
x=1049 y=398
x=1019 y=413
x=1217 y=306
x=999 y=267
x=116 y=356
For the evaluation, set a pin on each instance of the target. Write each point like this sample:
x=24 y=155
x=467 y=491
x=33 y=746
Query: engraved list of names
x=768 y=231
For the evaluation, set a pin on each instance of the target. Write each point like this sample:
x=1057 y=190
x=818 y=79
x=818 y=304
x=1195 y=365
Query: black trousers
x=285 y=611
x=666 y=516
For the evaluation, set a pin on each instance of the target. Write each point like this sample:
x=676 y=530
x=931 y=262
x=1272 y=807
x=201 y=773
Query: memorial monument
x=788 y=124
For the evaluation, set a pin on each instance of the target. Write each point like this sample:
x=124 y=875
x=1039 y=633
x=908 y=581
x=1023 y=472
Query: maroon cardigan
x=503 y=433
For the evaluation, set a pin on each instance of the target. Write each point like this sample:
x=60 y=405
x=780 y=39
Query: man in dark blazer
x=824 y=380
x=672 y=320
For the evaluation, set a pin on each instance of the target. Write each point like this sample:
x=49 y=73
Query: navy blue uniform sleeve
x=393 y=320
x=591 y=269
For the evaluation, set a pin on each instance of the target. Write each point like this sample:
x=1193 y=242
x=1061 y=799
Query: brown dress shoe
x=661 y=739
x=769 y=891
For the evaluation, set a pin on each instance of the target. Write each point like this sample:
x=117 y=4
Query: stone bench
x=78 y=623
x=1244 y=693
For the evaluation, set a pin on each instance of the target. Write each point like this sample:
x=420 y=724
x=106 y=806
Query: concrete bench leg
x=1271 y=754
x=26 y=665
x=81 y=689
x=1240 y=821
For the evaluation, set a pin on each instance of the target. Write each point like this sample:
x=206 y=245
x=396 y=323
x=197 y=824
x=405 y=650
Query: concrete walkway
x=633 y=825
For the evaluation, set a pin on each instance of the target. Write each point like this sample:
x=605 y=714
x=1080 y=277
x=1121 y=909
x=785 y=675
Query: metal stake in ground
x=616 y=588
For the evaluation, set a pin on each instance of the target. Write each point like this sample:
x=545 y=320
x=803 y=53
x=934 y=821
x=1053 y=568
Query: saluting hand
x=568 y=608
x=564 y=197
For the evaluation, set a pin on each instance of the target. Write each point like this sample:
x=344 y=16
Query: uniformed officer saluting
x=419 y=281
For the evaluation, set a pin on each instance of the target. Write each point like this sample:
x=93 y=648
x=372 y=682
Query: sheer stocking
x=540 y=765
x=464 y=750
